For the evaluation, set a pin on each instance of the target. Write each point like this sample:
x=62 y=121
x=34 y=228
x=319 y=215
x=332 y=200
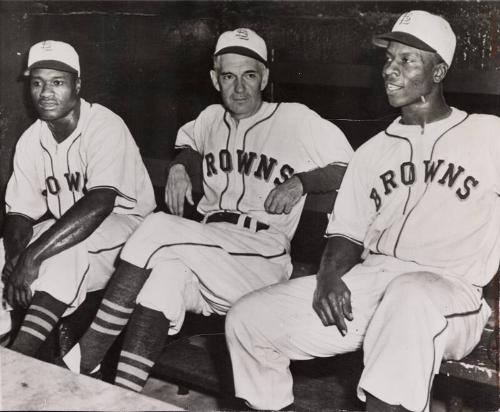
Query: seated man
x=78 y=162
x=256 y=157
x=413 y=239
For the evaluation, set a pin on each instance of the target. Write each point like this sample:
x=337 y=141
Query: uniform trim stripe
x=227 y=145
x=95 y=252
x=67 y=163
x=462 y=314
x=131 y=199
x=4 y=339
x=125 y=382
x=21 y=214
x=212 y=246
x=111 y=318
x=106 y=331
x=44 y=311
x=244 y=144
x=32 y=332
x=132 y=370
x=39 y=321
x=53 y=174
x=330 y=235
x=116 y=307
x=137 y=358
x=80 y=285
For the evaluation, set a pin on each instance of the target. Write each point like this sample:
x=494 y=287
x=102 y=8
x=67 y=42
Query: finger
x=28 y=295
x=17 y=297
x=347 y=308
x=338 y=315
x=320 y=314
x=10 y=295
x=288 y=207
x=268 y=201
x=189 y=194
x=179 y=204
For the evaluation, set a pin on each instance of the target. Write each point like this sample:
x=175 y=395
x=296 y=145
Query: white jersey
x=100 y=153
x=244 y=161
x=428 y=196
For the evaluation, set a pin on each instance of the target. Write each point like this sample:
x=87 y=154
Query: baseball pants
x=406 y=318
x=84 y=267
x=203 y=268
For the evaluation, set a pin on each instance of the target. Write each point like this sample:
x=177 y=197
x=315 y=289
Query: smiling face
x=54 y=93
x=240 y=80
x=409 y=74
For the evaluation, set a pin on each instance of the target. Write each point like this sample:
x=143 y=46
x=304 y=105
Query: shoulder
x=30 y=135
x=99 y=115
x=214 y=111
x=376 y=144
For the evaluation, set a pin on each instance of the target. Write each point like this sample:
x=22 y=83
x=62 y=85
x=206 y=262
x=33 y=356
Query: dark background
x=149 y=61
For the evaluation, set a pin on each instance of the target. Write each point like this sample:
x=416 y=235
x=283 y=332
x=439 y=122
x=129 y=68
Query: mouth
x=391 y=88
x=47 y=105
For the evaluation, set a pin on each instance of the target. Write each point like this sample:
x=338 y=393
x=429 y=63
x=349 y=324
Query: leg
x=422 y=318
x=112 y=316
x=268 y=328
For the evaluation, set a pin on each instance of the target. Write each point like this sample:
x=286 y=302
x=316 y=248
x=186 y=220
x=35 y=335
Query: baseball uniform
x=425 y=204
x=51 y=176
x=206 y=267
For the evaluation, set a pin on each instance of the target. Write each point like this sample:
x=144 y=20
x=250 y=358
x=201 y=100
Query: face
x=240 y=80
x=54 y=93
x=409 y=74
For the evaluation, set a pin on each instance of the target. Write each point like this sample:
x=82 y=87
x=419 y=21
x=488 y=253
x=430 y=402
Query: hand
x=178 y=187
x=332 y=302
x=284 y=196
x=9 y=266
x=21 y=278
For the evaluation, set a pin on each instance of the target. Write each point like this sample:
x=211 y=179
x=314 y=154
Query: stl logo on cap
x=244 y=42
x=52 y=54
x=424 y=31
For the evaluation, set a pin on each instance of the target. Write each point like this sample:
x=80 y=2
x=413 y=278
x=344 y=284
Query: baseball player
x=414 y=237
x=259 y=159
x=79 y=163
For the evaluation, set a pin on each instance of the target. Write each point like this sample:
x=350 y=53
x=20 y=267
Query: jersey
x=100 y=153
x=243 y=161
x=430 y=196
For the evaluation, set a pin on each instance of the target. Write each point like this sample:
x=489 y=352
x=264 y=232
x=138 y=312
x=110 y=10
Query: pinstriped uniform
x=425 y=204
x=206 y=267
x=51 y=177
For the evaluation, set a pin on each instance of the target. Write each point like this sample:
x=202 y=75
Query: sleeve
x=193 y=133
x=24 y=194
x=353 y=210
x=323 y=142
x=112 y=161
x=322 y=179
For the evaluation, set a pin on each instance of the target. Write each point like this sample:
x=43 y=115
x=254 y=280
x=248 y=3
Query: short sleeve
x=24 y=194
x=323 y=142
x=353 y=210
x=193 y=133
x=112 y=157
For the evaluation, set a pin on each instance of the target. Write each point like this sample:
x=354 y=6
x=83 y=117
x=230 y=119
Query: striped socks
x=144 y=340
x=41 y=317
x=113 y=314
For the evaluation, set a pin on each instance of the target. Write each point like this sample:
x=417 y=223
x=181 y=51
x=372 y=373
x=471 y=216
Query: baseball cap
x=424 y=31
x=52 y=54
x=242 y=41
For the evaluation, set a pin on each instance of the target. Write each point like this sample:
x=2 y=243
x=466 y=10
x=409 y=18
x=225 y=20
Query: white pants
x=406 y=318
x=203 y=268
x=84 y=267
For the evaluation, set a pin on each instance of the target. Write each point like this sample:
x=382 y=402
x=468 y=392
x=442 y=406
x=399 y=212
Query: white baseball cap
x=242 y=41
x=52 y=54
x=424 y=31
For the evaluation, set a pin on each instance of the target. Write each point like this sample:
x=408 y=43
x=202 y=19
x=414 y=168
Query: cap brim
x=383 y=40
x=243 y=51
x=50 y=64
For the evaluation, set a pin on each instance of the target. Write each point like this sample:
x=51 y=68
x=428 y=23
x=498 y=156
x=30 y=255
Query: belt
x=234 y=218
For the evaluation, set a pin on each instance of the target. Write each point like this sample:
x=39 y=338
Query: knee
x=241 y=315
x=409 y=289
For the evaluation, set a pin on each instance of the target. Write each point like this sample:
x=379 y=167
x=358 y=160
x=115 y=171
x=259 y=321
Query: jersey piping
x=52 y=167
x=212 y=246
x=67 y=163
x=244 y=144
x=227 y=146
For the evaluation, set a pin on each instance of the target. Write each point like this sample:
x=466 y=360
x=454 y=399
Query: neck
x=429 y=109
x=63 y=127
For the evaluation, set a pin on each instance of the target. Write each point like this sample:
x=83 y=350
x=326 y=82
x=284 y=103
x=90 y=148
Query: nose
x=46 y=90
x=390 y=69
x=239 y=86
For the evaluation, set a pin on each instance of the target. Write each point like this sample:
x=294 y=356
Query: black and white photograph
x=236 y=205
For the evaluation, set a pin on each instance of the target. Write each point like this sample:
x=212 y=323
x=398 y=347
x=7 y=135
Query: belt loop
x=247 y=222
x=253 y=224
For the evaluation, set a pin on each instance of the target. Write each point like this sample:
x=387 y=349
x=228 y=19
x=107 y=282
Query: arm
x=285 y=196
x=332 y=298
x=79 y=222
x=179 y=185
x=17 y=234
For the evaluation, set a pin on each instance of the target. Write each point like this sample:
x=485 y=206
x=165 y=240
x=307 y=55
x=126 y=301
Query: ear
x=265 y=79
x=439 y=72
x=215 y=80
x=78 y=86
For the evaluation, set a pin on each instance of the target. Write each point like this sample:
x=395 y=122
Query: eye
x=35 y=83
x=58 y=82
x=251 y=76
x=227 y=76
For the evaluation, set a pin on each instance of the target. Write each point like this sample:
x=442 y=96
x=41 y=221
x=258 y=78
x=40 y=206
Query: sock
x=41 y=317
x=113 y=314
x=145 y=338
